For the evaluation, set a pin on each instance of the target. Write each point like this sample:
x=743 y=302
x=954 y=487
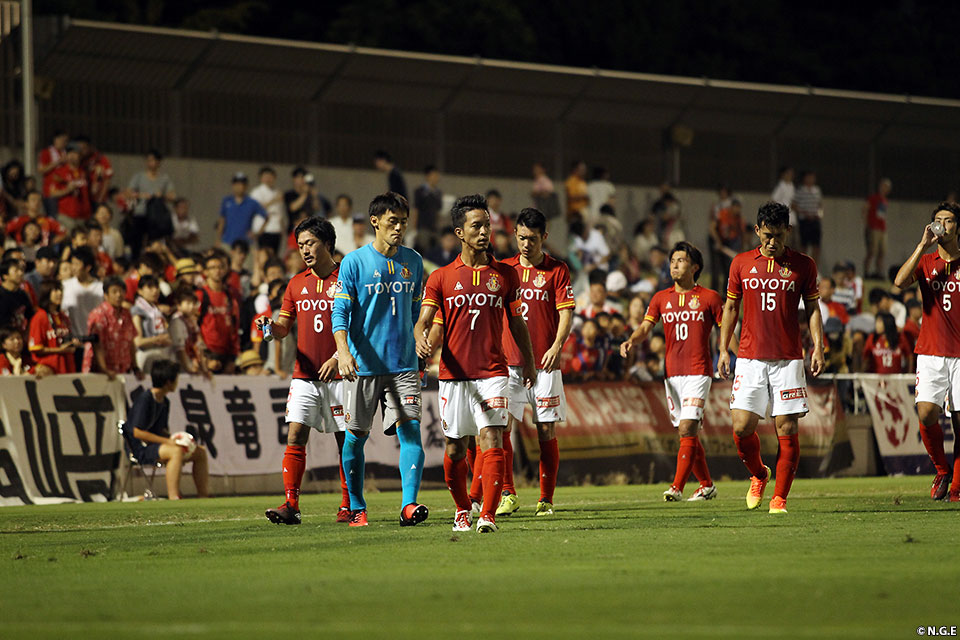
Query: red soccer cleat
x=941 y=483
x=343 y=515
x=955 y=496
x=413 y=514
x=358 y=518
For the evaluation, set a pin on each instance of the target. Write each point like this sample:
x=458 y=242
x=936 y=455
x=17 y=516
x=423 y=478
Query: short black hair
x=6 y=265
x=913 y=303
x=241 y=244
x=464 y=205
x=92 y=225
x=150 y=260
x=48 y=253
x=774 y=215
x=155 y=153
x=11 y=251
x=598 y=276
x=878 y=294
x=447 y=231
x=320 y=228
x=344 y=196
x=380 y=154
x=532 y=219
x=164 y=372
x=388 y=201
x=430 y=168
x=114 y=281
x=692 y=252
x=264 y=170
x=6 y=332
x=274 y=261
x=493 y=193
x=46 y=288
x=952 y=207
x=298 y=171
x=833 y=283
x=85 y=255
x=148 y=281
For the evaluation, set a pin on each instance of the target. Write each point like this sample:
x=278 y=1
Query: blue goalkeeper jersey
x=377 y=302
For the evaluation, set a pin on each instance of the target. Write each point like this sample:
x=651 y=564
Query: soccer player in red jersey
x=938 y=348
x=546 y=303
x=472 y=294
x=770 y=281
x=689 y=312
x=315 y=394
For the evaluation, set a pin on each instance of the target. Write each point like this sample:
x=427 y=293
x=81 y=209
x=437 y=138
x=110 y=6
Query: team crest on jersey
x=539 y=281
x=405 y=273
x=694 y=302
x=333 y=288
x=494 y=282
x=785 y=271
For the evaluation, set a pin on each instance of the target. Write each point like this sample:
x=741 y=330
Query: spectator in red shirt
x=887 y=350
x=219 y=317
x=13 y=362
x=875 y=219
x=51 y=342
x=50 y=159
x=105 y=266
x=911 y=328
x=69 y=183
x=52 y=231
x=829 y=308
x=113 y=351
x=96 y=167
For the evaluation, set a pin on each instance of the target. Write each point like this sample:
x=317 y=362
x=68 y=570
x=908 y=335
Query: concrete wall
x=205 y=182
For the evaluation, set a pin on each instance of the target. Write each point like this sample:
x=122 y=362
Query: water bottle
x=937 y=228
x=267 y=329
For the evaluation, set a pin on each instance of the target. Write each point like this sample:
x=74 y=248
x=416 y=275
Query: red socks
x=294 y=463
x=787 y=464
x=508 y=464
x=455 y=474
x=549 y=464
x=700 y=469
x=492 y=481
x=932 y=437
x=748 y=447
x=344 y=494
x=472 y=457
x=685 y=458
x=476 y=487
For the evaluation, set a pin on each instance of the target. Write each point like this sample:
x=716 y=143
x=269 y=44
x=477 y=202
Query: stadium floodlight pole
x=26 y=72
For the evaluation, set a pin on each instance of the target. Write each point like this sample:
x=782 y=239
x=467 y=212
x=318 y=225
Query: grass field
x=855 y=558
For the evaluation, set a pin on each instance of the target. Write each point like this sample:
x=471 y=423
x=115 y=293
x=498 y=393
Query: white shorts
x=938 y=380
x=686 y=397
x=466 y=406
x=546 y=397
x=316 y=404
x=777 y=384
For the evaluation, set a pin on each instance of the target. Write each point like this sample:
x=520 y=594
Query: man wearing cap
x=237 y=212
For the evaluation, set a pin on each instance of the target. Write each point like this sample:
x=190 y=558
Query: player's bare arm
x=551 y=358
x=731 y=311
x=329 y=369
x=907 y=276
x=421 y=331
x=345 y=362
x=281 y=328
x=639 y=335
x=518 y=328
x=816 y=334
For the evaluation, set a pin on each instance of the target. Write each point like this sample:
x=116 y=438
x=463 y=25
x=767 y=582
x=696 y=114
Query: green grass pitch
x=854 y=558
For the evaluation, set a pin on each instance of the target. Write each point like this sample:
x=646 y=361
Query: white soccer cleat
x=672 y=495
x=475 y=508
x=462 y=521
x=486 y=525
x=703 y=493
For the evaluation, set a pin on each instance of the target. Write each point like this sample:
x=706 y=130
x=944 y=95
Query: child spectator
x=251 y=364
x=152 y=341
x=113 y=351
x=82 y=292
x=13 y=362
x=112 y=241
x=51 y=343
x=185 y=339
x=886 y=350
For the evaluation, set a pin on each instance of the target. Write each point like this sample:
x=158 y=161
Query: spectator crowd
x=105 y=277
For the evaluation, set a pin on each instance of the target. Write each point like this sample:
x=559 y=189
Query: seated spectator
x=502 y=249
x=448 y=249
x=185 y=339
x=911 y=328
x=585 y=358
x=219 y=318
x=112 y=241
x=16 y=308
x=838 y=346
x=186 y=230
x=52 y=231
x=596 y=300
x=251 y=364
x=881 y=301
x=636 y=309
x=51 y=343
x=588 y=245
x=612 y=229
x=886 y=350
x=152 y=341
x=111 y=326
x=238 y=277
x=70 y=187
x=32 y=240
x=44 y=268
x=147 y=433
x=105 y=266
x=13 y=362
x=659 y=274
x=830 y=308
x=845 y=289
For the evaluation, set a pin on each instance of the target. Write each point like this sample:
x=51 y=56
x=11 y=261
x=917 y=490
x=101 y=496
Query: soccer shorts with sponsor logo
x=778 y=385
x=938 y=380
x=546 y=397
x=397 y=395
x=466 y=406
x=686 y=397
x=316 y=404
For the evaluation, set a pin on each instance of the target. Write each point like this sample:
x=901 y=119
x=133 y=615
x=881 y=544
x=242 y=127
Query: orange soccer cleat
x=757 y=487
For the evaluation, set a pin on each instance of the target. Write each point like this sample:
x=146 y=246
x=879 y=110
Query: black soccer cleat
x=413 y=514
x=284 y=514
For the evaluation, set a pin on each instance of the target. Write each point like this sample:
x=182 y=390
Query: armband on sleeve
x=515 y=308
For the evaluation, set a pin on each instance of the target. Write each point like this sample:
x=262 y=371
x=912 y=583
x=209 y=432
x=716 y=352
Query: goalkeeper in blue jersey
x=376 y=304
